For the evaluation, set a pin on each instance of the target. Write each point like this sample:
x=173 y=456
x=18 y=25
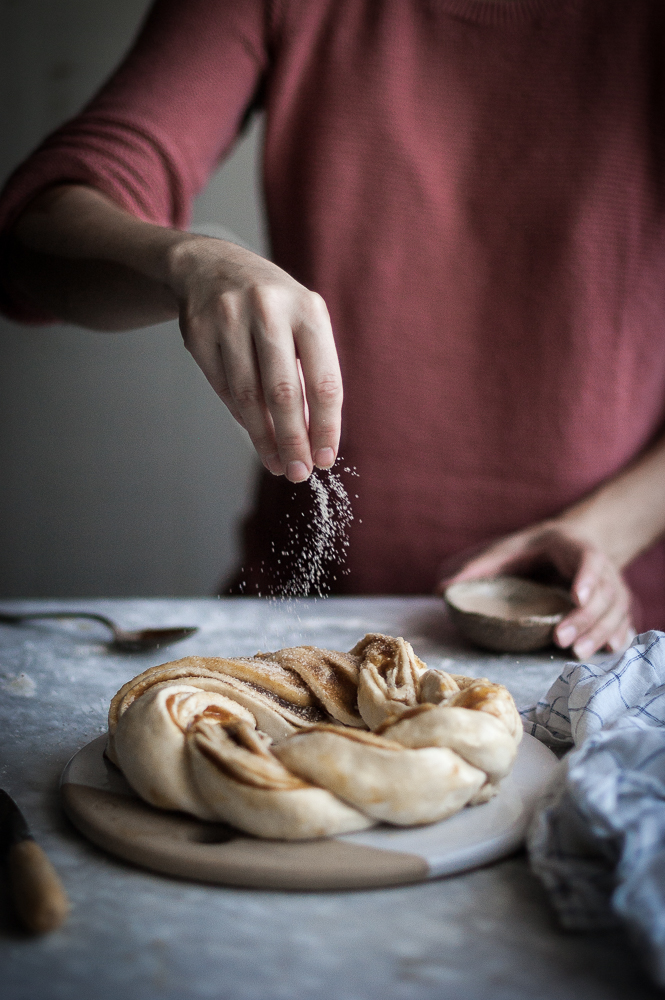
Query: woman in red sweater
x=465 y=202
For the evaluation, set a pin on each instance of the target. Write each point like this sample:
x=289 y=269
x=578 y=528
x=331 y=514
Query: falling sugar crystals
x=325 y=540
x=315 y=545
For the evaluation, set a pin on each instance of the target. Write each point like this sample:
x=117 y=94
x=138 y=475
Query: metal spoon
x=127 y=642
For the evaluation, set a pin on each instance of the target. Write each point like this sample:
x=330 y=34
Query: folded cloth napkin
x=598 y=842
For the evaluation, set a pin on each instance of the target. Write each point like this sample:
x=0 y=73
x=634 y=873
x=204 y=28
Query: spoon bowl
x=150 y=638
x=137 y=641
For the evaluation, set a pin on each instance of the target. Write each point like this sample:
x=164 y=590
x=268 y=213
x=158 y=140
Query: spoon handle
x=15 y=619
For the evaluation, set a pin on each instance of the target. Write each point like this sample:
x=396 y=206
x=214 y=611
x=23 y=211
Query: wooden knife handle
x=39 y=896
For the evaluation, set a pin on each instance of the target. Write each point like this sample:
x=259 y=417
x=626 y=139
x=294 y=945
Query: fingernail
x=583 y=649
x=620 y=641
x=566 y=635
x=297 y=472
x=583 y=593
x=324 y=458
x=273 y=464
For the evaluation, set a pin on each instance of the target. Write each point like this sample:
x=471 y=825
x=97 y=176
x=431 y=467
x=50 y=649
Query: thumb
x=491 y=563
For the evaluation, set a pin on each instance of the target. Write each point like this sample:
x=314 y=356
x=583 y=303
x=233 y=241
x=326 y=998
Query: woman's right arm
x=252 y=329
x=92 y=224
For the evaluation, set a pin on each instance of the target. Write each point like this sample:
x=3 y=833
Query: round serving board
x=102 y=805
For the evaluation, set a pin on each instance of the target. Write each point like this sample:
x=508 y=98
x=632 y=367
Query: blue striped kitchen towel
x=598 y=842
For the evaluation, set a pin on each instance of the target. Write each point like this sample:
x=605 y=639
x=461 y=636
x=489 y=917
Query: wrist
x=189 y=256
x=614 y=522
x=181 y=257
x=584 y=521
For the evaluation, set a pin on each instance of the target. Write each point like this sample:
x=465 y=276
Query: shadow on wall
x=122 y=473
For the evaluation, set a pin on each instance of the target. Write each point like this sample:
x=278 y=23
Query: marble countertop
x=484 y=935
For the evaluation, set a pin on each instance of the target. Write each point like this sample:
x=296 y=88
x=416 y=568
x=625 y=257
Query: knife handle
x=39 y=896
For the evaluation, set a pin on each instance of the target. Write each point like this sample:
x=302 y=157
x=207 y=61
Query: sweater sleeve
x=155 y=131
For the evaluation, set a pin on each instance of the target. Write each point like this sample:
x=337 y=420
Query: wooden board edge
x=170 y=843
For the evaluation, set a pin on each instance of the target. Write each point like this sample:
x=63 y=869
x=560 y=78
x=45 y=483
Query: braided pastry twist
x=305 y=743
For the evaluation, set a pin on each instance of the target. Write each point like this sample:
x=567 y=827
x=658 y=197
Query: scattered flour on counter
x=21 y=686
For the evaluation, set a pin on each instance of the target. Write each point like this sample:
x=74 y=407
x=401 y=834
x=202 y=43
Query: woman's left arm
x=589 y=544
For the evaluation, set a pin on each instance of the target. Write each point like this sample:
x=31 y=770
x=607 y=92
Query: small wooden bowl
x=506 y=613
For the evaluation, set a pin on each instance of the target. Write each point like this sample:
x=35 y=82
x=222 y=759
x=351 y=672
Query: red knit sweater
x=477 y=189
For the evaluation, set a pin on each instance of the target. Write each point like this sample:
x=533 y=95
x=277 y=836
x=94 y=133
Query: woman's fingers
x=521 y=552
x=623 y=636
x=603 y=616
x=273 y=337
x=606 y=632
x=588 y=569
x=229 y=364
x=205 y=351
x=501 y=557
x=260 y=365
x=322 y=379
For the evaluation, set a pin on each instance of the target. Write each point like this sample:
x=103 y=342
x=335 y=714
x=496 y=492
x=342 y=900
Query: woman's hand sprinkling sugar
x=265 y=344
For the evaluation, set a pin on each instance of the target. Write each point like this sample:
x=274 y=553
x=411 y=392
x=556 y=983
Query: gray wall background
x=121 y=473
